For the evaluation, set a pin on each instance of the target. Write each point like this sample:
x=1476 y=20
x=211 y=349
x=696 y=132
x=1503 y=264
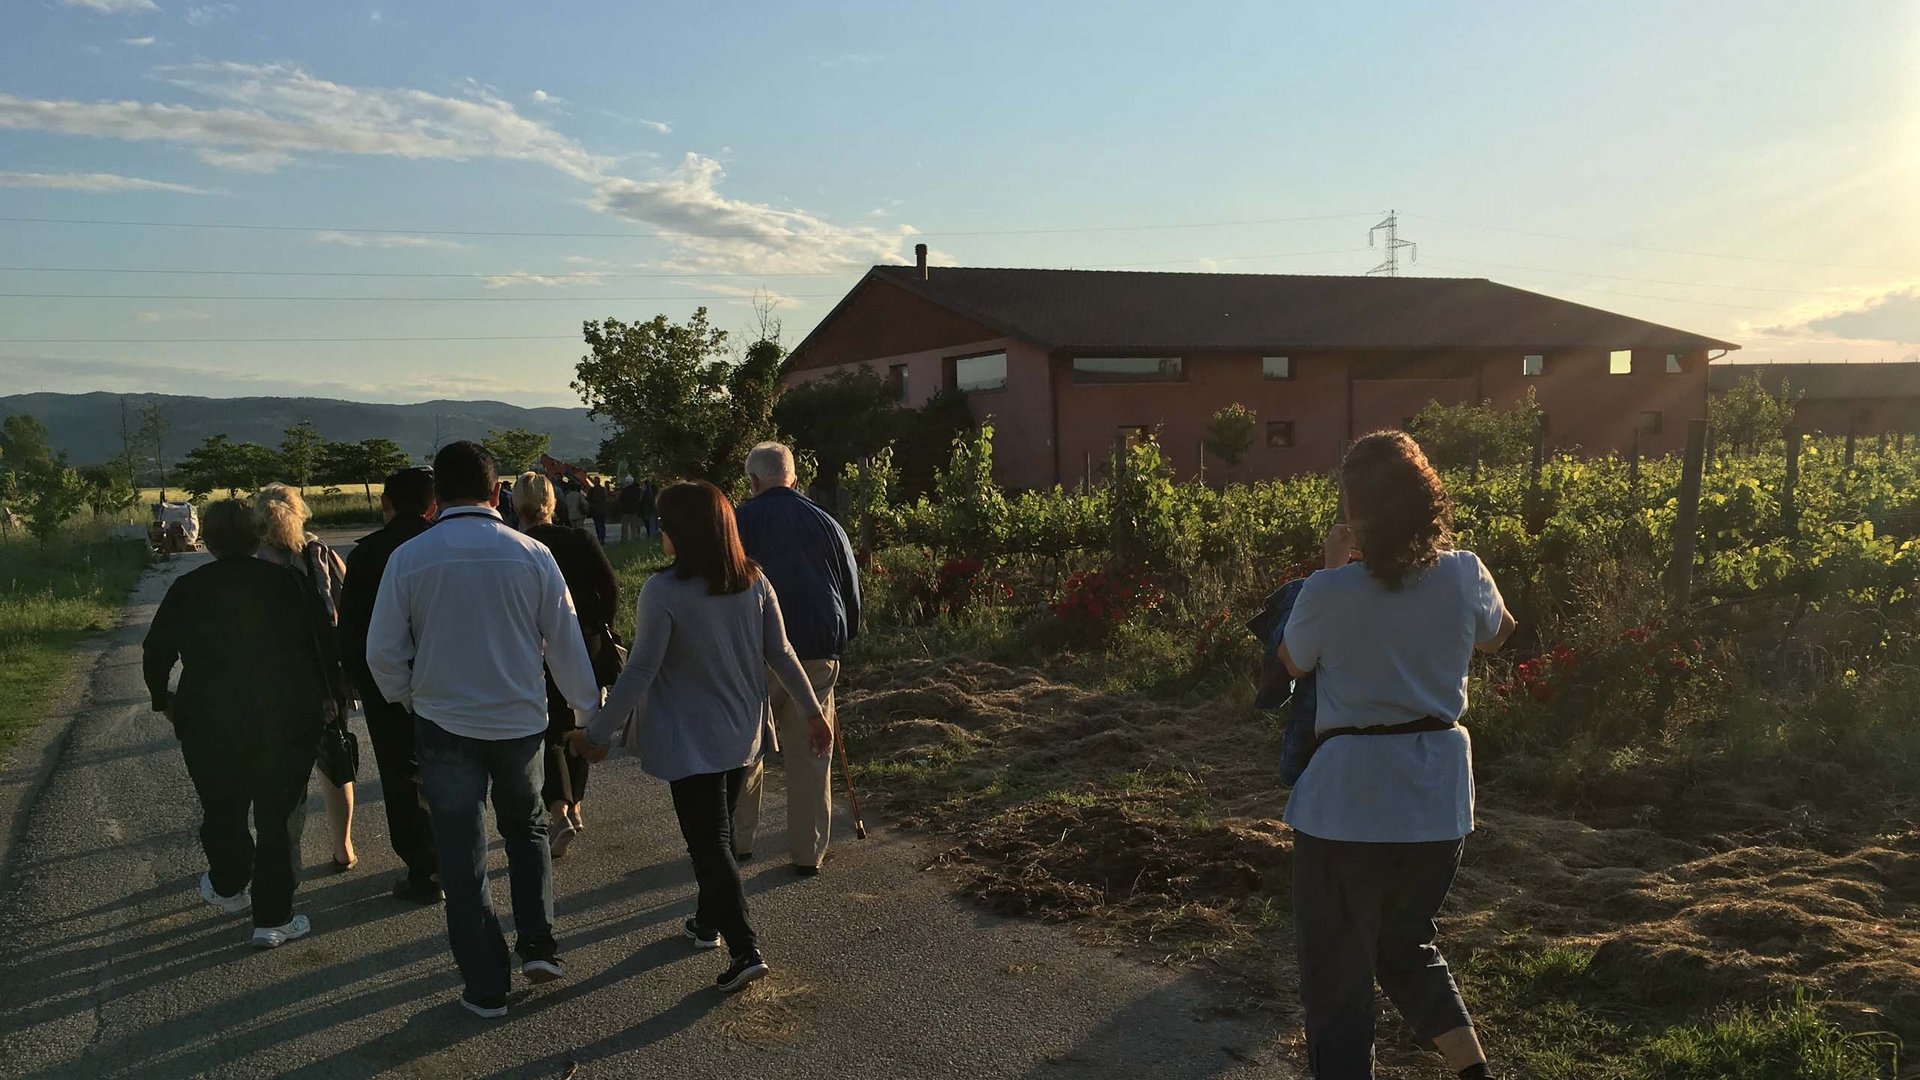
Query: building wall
x=1864 y=416
x=1597 y=412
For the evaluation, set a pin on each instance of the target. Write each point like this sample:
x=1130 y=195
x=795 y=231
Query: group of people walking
x=481 y=654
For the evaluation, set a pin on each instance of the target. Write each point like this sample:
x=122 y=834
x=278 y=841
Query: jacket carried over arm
x=366 y=563
x=807 y=557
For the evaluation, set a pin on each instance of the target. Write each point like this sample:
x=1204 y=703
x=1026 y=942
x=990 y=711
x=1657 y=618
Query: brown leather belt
x=1411 y=727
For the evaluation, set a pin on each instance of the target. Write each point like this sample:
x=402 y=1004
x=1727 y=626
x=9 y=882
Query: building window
x=978 y=374
x=1125 y=369
x=1650 y=423
x=1673 y=363
x=897 y=378
x=1132 y=435
x=1279 y=434
x=1533 y=364
x=1620 y=362
x=1276 y=367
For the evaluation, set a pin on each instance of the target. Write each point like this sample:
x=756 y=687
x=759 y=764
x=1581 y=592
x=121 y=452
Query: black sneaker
x=488 y=1008
x=702 y=939
x=541 y=964
x=804 y=870
x=416 y=892
x=744 y=969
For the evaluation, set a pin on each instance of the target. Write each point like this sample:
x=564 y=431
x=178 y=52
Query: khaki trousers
x=809 y=778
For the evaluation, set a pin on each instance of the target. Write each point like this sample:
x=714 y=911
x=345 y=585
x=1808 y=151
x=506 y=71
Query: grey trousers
x=1361 y=912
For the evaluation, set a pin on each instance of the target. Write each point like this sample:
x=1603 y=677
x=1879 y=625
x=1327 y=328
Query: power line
x=1390 y=265
x=668 y=233
x=408 y=299
x=1661 y=250
x=1450 y=260
x=257 y=341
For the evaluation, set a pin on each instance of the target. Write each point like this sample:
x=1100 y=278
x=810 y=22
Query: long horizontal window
x=1124 y=369
x=974 y=374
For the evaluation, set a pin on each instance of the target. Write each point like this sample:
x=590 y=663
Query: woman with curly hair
x=1386 y=802
x=282 y=517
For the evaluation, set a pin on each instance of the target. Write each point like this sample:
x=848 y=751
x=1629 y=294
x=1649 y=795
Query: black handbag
x=339 y=751
x=609 y=659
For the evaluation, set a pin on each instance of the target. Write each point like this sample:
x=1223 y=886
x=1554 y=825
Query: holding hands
x=578 y=744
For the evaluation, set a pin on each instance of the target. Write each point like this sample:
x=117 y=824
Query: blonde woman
x=596 y=599
x=281 y=515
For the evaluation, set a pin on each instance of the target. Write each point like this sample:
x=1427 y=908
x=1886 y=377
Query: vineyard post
x=1880 y=448
x=1851 y=435
x=1633 y=464
x=1533 y=477
x=1086 y=473
x=866 y=510
x=1789 y=505
x=1899 y=442
x=1686 y=523
x=1200 y=475
x=1713 y=448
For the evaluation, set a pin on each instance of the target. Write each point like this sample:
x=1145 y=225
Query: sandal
x=342 y=867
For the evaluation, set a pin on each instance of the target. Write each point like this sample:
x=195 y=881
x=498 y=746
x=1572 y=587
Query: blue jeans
x=454 y=773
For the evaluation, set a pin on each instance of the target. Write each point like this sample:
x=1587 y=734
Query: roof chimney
x=920 y=259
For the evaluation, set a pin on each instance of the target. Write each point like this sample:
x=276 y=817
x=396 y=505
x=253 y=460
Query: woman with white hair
x=281 y=515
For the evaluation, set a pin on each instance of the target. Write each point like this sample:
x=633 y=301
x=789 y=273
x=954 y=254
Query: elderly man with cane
x=809 y=562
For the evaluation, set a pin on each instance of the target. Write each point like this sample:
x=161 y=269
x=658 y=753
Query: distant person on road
x=629 y=498
x=599 y=507
x=1384 y=806
x=575 y=502
x=248 y=714
x=596 y=600
x=809 y=561
x=407 y=505
x=467 y=615
x=282 y=516
x=695 y=687
x=649 y=507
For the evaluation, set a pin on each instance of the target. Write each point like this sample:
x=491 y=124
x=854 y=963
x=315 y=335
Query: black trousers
x=409 y=826
x=265 y=774
x=566 y=771
x=1361 y=912
x=704 y=805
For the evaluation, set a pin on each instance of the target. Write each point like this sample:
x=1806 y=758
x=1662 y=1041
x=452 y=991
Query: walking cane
x=859 y=826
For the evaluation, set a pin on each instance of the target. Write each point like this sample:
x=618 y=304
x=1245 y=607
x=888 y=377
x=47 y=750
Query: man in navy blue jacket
x=808 y=561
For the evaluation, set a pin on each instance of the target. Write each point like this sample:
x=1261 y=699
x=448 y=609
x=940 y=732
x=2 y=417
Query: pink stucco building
x=1064 y=362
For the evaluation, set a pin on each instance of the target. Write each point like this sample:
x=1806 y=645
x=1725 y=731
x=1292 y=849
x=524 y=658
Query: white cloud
x=551 y=281
x=172 y=316
x=541 y=97
x=96 y=182
x=268 y=115
x=113 y=7
x=384 y=240
x=1885 y=313
x=138 y=42
x=202 y=14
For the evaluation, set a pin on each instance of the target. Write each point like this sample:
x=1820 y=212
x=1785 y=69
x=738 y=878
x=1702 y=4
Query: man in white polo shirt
x=467 y=615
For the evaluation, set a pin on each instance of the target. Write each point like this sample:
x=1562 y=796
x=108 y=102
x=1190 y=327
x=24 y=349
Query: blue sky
x=1745 y=170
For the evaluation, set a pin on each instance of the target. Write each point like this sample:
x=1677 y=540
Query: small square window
x=1673 y=364
x=897 y=378
x=1650 y=423
x=1620 y=362
x=1279 y=434
x=1534 y=364
x=1134 y=434
x=1276 y=367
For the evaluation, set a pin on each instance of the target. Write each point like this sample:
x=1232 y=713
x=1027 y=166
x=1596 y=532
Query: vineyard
x=1698 y=853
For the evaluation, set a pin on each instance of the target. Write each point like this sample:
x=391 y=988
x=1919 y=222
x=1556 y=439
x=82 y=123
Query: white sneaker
x=272 y=937
x=229 y=905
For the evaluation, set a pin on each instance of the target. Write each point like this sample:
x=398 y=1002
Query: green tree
x=54 y=494
x=152 y=439
x=1748 y=415
x=23 y=442
x=842 y=418
x=363 y=463
x=925 y=437
x=219 y=463
x=516 y=449
x=673 y=395
x=1230 y=434
x=106 y=488
x=1456 y=436
x=301 y=450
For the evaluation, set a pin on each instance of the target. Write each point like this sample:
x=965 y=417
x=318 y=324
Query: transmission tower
x=1391 y=265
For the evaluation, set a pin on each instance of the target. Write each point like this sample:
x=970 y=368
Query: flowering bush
x=1101 y=599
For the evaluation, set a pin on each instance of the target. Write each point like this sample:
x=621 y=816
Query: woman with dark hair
x=695 y=684
x=248 y=713
x=1386 y=802
x=596 y=600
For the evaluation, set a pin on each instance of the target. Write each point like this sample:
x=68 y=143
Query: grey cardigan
x=697 y=677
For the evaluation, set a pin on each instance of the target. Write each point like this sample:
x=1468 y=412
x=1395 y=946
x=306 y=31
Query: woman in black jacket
x=596 y=599
x=248 y=714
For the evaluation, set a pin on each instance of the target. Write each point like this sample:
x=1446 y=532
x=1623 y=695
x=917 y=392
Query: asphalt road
x=111 y=967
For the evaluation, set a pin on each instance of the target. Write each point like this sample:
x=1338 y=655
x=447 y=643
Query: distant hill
x=87 y=426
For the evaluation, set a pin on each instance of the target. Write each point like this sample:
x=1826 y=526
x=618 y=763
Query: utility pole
x=1390 y=266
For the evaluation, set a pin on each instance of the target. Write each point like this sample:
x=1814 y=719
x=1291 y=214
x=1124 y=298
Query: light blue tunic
x=1385 y=658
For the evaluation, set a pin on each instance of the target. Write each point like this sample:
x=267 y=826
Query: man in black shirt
x=407 y=504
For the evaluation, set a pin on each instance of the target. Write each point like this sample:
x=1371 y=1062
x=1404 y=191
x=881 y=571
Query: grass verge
x=50 y=599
